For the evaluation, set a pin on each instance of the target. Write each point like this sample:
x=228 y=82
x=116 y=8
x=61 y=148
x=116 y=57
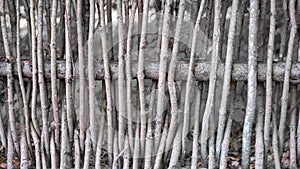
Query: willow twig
x=121 y=78
x=136 y=151
x=21 y=80
x=81 y=74
x=171 y=78
x=194 y=164
x=129 y=76
x=69 y=77
x=64 y=138
x=91 y=76
x=259 y=142
x=88 y=149
x=53 y=53
x=149 y=135
x=284 y=30
x=252 y=83
x=162 y=75
x=161 y=148
x=107 y=84
x=41 y=80
x=268 y=107
x=227 y=78
x=274 y=128
x=140 y=74
x=37 y=150
x=116 y=160
x=76 y=149
x=34 y=68
x=286 y=83
x=53 y=152
x=212 y=79
x=100 y=139
x=10 y=94
x=226 y=139
x=186 y=113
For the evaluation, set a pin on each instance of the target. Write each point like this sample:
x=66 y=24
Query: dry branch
x=201 y=71
x=252 y=83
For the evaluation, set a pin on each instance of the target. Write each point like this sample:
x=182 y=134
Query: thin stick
x=121 y=79
x=274 y=126
x=109 y=28
x=140 y=74
x=91 y=70
x=13 y=23
x=226 y=139
x=10 y=94
x=161 y=148
x=53 y=152
x=194 y=164
x=24 y=158
x=286 y=83
x=2 y=131
x=207 y=28
x=252 y=83
x=116 y=160
x=126 y=156
x=171 y=78
x=81 y=75
x=48 y=21
x=293 y=154
x=21 y=80
x=53 y=53
x=27 y=14
x=43 y=154
x=34 y=68
x=211 y=144
x=69 y=76
x=10 y=149
x=212 y=79
x=24 y=153
x=239 y=27
x=64 y=138
x=41 y=80
x=259 y=142
x=149 y=136
x=107 y=85
x=268 y=108
x=162 y=75
x=222 y=30
x=36 y=142
x=186 y=113
x=100 y=139
x=136 y=153
x=88 y=150
x=160 y=27
x=284 y=30
x=76 y=149
x=227 y=77
x=129 y=76
x=176 y=149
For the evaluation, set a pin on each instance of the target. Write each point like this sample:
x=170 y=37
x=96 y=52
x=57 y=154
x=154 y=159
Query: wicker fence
x=149 y=84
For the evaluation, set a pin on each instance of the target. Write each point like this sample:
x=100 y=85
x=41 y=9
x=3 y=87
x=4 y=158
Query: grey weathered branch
x=201 y=70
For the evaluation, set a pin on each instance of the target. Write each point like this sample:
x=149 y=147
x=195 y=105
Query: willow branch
x=201 y=71
x=286 y=82
x=252 y=83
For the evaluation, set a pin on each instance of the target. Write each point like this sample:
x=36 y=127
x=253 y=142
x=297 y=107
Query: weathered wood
x=201 y=70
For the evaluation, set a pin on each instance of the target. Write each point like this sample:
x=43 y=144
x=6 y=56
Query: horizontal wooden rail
x=201 y=70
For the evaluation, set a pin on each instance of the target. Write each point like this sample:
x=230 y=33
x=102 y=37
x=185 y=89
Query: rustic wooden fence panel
x=149 y=84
